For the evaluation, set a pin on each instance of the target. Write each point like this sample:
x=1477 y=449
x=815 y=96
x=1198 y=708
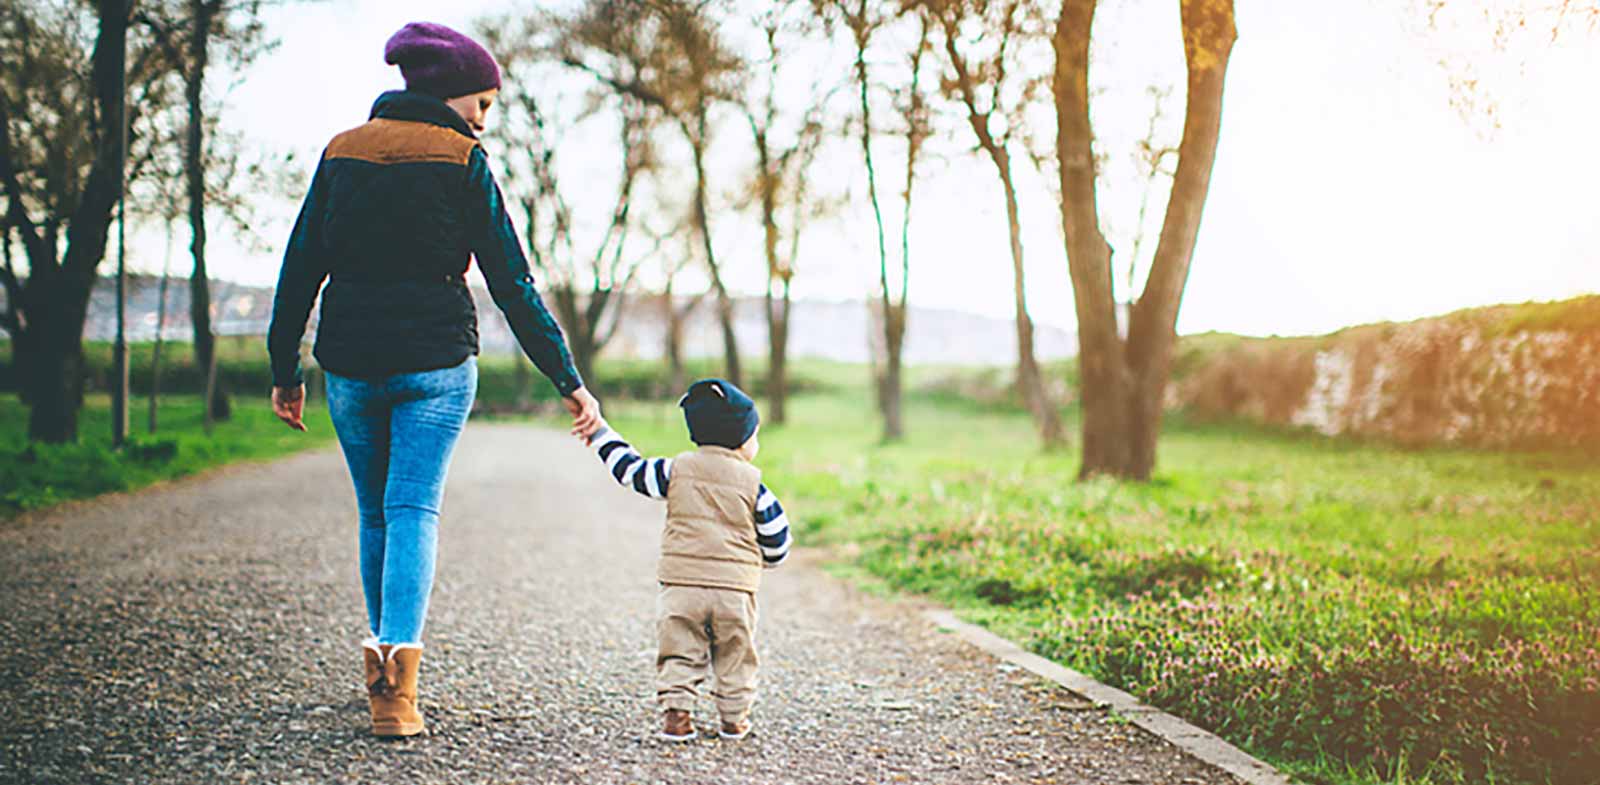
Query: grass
x=1351 y=612
x=40 y=475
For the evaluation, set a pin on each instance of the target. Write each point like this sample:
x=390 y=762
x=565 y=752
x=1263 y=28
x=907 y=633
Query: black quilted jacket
x=397 y=209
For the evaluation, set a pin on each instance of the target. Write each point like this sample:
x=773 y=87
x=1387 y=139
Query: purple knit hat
x=441 y=62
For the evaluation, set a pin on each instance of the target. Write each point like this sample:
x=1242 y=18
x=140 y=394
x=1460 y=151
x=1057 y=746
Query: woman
x=396 y=209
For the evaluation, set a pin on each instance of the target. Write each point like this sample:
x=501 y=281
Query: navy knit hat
x=441 y=62
x=719 y=413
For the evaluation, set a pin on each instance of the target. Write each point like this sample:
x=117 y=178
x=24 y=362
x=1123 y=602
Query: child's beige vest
x=710 y=537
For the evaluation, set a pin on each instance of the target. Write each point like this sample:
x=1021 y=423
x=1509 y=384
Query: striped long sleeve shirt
x=650 y=477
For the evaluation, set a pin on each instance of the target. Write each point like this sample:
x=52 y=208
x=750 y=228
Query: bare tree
x=62 y=114
x=161 y=325
x=863 y=19
x=234 y=188
x=983 y=45
x=189 y=31
x=669 y=54
x=589 y=290
x=676 y=316
x=786 y=146
x=159 y=197
x=1123 y=381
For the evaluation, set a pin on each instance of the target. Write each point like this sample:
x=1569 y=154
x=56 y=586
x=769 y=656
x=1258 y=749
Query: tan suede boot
x=392 y=688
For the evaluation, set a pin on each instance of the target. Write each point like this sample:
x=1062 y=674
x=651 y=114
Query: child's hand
x=588 y=438
x=585 y=411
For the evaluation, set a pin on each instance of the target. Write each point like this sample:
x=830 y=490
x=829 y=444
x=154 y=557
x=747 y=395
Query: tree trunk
x=778 y=352
x=580 y=331
x=56 y=298
x=22 y=366
x=1106 y=383
x=672 y=334
x=54 y=382
x=205 y=339
x=888 y=377
x=1122 y=384
x=161 y=326
x=55 y=371
x=891 y=377
x=522 y=376
x=583 y=356
x=777 y=311
x=702 y=220
x=12 y=316
x=1208 y=36
x=1029 y=381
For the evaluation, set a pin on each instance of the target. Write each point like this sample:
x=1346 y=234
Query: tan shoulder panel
x=384 y=141
x=719 y=466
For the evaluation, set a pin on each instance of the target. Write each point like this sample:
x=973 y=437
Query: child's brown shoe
x=678 y=726
x=734 y=730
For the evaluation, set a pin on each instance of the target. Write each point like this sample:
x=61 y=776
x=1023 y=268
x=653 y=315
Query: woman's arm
x=505 y=268
x=305 y=266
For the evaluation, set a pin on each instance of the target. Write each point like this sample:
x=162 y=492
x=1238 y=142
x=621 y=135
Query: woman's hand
x=289 y=403
x=585 y=411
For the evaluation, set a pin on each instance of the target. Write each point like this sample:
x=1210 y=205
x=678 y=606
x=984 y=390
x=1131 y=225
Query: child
x=723 y=527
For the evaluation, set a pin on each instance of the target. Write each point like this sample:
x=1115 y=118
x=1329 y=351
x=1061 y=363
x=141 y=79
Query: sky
x=1347 y=187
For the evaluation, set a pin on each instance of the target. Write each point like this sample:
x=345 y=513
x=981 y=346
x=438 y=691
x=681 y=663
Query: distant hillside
x=826 y=330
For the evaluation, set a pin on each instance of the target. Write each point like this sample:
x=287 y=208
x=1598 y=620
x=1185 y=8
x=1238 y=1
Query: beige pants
x=700 y=627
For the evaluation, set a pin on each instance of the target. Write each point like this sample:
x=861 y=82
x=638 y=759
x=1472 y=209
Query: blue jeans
x=397 y=433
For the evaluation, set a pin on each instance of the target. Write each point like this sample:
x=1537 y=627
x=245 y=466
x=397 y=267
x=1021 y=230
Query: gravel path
x=207 y=632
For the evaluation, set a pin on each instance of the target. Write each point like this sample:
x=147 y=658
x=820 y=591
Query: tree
x=233 y=187
x=984 y=45
x=589 y=294
x=62 y=116
x=863 y=20
x=671 y=55
x=784 y=155
x=1123 y=381
x=675 y=316
x=170 y=220
x=187 y=32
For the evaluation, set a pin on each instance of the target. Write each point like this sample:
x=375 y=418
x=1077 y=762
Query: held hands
x=289 y=403
x=585 y=411
x=588 y=441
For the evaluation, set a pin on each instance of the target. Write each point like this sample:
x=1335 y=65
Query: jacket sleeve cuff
x=567 y=383
x=292 y=379
x=286 y=371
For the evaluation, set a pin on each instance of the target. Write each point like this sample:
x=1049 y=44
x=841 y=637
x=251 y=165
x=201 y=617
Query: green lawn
x=1353 y=613
x=34 y=476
